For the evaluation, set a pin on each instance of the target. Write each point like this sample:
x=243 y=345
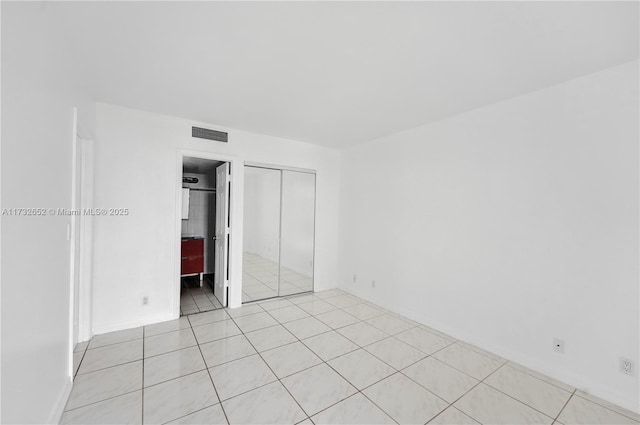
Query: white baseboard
x=61 y=402
x=102 y=328
x=558 y=373
x=611 y=395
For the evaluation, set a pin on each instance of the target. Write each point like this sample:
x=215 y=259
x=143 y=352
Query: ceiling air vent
x=205 y=133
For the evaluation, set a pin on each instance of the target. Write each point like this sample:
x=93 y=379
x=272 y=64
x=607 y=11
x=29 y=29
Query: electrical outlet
x=558 y=345
x=145 y=300
x=373 y=283
x=355 y=278
x=626 y=366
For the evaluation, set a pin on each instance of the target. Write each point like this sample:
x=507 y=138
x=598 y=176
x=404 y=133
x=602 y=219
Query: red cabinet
x=192 y=256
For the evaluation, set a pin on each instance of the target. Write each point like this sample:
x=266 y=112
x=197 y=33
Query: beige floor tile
x=534 y=392
x=404 y=400
x=440 y=378
x=356 y=409
x=489 y=406
x=582 y=411
x=467 y=361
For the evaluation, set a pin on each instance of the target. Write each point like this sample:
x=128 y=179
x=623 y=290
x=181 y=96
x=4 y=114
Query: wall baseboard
x=61 y=402
x=610 y=395
x=557 y=373
x=103 y=328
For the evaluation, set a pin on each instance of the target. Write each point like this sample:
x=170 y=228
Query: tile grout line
x=502 y=392
x=451 y=406
x=173 y=330
x=625 y=414
x=84 y=353
x=280 y=380
x=297 y=340
x=564 y=406
x=504 y=363
x=199 y=309
x=471 y=389
x=115 y=343
x=108 y=367
x=177 y=377
x=498 y=390
x=388 y=414
x=272 y=371
x=514 y=366
x=210 y=378
x=278 y=322
x=107 y=398
x=399 y=371
x=358 y=391
x=168 y=352
x=520 y=401
x=197 y=343
x=100 y=401
x=455 y=368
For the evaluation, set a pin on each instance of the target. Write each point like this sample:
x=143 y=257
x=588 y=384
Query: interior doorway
x=205 y=228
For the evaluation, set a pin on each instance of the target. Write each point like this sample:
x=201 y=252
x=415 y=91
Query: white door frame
x=80 y=240
x=221 y=276
x=236 y=211
x=79 y=234
x=73 y=246
x=85 y=295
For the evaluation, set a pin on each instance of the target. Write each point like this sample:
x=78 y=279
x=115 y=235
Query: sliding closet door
x=261 y=239
x=297 y=232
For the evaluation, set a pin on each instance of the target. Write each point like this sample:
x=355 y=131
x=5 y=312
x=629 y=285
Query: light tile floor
x=260 y=279
x=197 y=299
x=323 y=358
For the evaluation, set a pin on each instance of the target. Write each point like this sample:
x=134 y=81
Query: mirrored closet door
x=279 y=225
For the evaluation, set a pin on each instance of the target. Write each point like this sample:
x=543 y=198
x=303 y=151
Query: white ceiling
x=337 y=74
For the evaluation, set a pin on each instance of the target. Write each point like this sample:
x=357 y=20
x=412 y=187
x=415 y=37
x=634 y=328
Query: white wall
x=134 y=255
x=40 y=87
x=509 y=225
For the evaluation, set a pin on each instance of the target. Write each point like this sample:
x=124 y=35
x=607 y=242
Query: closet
x=279 y=227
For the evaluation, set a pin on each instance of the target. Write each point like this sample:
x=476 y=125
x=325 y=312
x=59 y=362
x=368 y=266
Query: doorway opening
x=205 y=228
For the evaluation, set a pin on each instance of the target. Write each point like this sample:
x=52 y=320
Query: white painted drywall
x=509 y=225
x=40 y=87
x=135 y=168
x=340 y=72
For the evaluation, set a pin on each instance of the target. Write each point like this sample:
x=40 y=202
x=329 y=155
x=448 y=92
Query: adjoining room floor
x=196 y=299
x=327 y=357
x=260 y=279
